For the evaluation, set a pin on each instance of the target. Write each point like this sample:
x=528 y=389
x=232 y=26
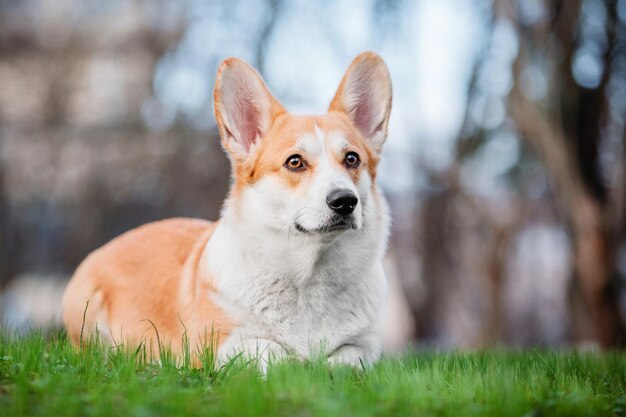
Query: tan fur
x=146 y=278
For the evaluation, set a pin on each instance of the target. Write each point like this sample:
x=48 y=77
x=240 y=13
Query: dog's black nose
x=342 y=201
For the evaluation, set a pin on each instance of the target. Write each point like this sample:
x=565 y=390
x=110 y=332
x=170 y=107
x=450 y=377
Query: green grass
x=44 y=375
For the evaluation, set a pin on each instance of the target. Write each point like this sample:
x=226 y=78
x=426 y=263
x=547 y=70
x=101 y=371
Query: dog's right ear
x=244 y=107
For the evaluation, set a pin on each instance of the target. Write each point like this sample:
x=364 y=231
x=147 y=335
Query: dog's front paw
x=263 y=351
x=351 y=355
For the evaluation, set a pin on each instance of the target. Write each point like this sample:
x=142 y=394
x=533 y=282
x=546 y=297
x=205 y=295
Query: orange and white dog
x=293 y=267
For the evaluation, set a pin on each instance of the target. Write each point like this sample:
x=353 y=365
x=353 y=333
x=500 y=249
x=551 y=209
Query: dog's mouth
x=335 y=225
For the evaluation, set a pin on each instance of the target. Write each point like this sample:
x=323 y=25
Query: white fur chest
x=304 y=295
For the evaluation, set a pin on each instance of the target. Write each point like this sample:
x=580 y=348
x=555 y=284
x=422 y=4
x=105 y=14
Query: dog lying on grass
x=292 y=267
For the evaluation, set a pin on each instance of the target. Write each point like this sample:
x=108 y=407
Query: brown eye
x=352 y=160
x=294 y=163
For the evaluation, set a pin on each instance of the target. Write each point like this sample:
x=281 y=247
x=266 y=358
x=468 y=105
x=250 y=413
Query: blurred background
x=504 y=167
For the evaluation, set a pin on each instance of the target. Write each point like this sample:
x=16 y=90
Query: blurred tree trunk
x=436 y=236
x=568 y=146
x=7 y=242
x=3 y=233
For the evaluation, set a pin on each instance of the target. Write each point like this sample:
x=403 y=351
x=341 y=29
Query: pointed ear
x=364 y=95
x=244 y=108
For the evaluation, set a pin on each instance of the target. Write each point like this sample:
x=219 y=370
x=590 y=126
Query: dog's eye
x=352 y=160
x=294 y=163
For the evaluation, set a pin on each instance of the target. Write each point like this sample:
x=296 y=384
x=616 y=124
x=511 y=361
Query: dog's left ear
x=365 y=96
x=244 y=108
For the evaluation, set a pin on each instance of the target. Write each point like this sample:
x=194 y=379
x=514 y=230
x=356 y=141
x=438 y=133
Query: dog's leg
x=357 y=355
x=264 y=351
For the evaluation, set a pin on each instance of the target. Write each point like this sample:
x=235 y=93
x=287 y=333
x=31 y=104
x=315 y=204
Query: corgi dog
x=293 y=266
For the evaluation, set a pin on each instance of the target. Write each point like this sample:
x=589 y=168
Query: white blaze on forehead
x=337 y=143
x=319 y=143
x=321 y=148
x=311 y=145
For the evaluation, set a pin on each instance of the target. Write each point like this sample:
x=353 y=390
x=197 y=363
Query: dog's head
x=312 y=174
